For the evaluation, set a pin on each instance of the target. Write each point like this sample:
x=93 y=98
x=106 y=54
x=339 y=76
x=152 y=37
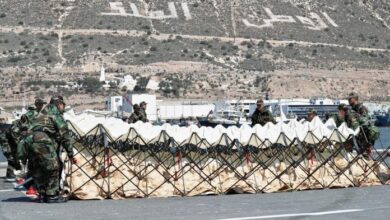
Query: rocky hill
x=239 y=48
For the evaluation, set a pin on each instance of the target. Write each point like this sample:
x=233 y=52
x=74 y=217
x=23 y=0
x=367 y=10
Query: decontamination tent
x=121 y=160
x=310 y=132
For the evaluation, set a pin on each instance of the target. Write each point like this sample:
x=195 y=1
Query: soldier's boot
x=40 y=199
x=55 y=199
x=10 y=175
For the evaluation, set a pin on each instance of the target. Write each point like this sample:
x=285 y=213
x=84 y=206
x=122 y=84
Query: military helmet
x=57 y=100
x=40 y=101
x=311 y=111
x=260 y=101
x=136 y=107
x=343 y=107
x=353 y=95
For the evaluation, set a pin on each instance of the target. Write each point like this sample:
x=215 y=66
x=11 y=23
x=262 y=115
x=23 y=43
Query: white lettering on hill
x=314 y=22
x=118 y=9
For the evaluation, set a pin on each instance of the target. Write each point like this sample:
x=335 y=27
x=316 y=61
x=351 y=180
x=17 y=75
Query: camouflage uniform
x=8 y=152
x=144 y=117
x=48 y=129
x=137 y=116
x=360 y=109
x=31 y=114
x=350 y=119
x=369 y=133
x=9 y=139
x=262 y=117
x=30 y=117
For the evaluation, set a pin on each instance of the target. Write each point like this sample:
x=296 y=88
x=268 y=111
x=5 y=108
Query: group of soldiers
x=355 y=117
x=36 y=141
x=139 y=113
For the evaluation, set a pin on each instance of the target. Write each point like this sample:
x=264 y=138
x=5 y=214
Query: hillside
x=212 y=48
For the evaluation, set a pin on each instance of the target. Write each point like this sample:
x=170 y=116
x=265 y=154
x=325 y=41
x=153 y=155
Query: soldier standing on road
x=48 y=129
x=10 y=139
x=8 y=147
x=261 y=115
x=30 y=116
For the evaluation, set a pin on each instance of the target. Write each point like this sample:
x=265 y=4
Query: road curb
x=3 y=165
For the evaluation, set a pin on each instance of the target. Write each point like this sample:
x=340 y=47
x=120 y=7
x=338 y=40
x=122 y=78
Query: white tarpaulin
x=310 y=132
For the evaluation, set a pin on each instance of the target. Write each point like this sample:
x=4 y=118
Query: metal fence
x=129 y=167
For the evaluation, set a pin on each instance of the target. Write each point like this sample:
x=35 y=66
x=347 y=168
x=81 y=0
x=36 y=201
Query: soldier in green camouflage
x=32 y=113
x=311 y=114
x=358 y=107
x=143 y=111
x=10 y=139
x=137 y=115
x=347 y=116
x=48 y=129
x=34 y=110
x=262 y=115
x=9 y=150
x=368 y=132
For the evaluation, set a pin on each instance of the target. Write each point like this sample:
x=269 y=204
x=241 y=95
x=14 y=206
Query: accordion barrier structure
x=119 y=160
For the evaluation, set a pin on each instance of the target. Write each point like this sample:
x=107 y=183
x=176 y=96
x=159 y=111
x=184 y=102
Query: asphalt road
x=352 y=203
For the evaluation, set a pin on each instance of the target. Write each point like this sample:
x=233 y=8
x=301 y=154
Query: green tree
x=90 y=84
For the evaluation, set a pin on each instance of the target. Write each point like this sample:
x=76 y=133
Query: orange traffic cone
x=31 y=191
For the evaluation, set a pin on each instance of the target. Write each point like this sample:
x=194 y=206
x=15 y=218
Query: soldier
x=143 y=111
x=10 y=139
x=345 y=115
x=136 y=115
x=8 y=147
x=311 y=114
x=262 y=115
x=34 y=110
x=48 y=129
x=31 y=115
x=368 y=132
x=358 y=107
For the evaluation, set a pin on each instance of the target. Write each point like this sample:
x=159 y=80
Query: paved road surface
x=352 y=203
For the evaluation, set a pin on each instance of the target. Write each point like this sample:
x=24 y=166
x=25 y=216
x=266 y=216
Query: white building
x=114 y=103
x=177 y=110
x=153 y=85
x=151 y=108
x=158 y=109
x=128 y=81
x=125 y=104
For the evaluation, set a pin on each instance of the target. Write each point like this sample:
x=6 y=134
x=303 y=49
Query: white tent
x=309 y=132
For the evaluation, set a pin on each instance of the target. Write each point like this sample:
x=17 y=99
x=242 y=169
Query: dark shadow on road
x=19 y=199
